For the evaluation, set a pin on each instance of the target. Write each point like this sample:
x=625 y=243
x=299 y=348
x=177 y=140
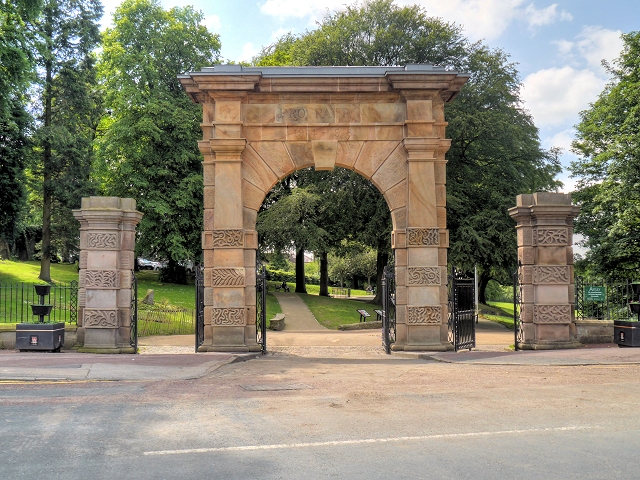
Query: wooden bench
x=363 y=315
x=277 y=323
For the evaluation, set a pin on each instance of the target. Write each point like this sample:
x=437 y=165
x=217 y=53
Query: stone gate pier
x=107 y=243
x=545 y=253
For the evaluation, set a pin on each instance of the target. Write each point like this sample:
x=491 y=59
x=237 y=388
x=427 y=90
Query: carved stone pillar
x=545 y=239
x=107 y=243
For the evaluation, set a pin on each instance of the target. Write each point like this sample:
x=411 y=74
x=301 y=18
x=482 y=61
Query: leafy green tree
x=608 y=142
x=147 y=145
x=66 y=33
x=495 y=152
x=15 y=68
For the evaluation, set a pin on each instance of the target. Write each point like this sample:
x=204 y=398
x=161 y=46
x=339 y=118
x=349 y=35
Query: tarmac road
x=333 y=413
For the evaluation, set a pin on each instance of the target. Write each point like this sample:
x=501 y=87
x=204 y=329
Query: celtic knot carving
x=228 y=316
x=100 y=279
x=100 y=318
x=430 y=315
x=554 y=275
x=227 y=277
x=423 y=276
x=228 y=238
x=423 y=236
x=552 y=236
x=106 y=241
x=552 y=314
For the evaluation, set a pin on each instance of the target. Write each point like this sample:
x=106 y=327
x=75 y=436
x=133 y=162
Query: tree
x=495 y=152
x=15 y=68
x=608 y=142
x=66 y=34
x=147 y=144
x=495 y=155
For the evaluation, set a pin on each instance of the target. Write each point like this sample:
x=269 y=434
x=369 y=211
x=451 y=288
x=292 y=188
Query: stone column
x=545 y=252
x=421 y=272
x=107 y=243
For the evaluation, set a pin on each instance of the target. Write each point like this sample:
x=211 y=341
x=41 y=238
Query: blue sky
x=558 y=46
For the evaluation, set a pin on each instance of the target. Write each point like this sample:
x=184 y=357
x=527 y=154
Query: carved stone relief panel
x=103 y=241
x=100 y=279
x=424 y=315
x=551 y=275
x=228 y=238
x=552 y=314
x=228 y=316
x=227 y=277
x=423 y=237
x=551 y=236
x=423 y=276
x=100 y=318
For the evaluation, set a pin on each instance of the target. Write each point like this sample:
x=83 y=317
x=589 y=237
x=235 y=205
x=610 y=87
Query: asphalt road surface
x=353 y=416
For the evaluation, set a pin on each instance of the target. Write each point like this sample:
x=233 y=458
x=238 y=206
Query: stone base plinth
x=542 y=345
x=589 y=331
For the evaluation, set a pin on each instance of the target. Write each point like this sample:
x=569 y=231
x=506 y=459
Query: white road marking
x=364 y=441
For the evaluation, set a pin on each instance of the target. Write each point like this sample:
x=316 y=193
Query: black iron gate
x=518 y=331
x=133 y=331
x=388 y=307
x=461 y=321
x=261 y=305
x=199 y=306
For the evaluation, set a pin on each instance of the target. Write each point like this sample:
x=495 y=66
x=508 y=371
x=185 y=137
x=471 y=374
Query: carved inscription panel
x=424 y=315
x=423 y=237
x=100 y=318
x=227 y=316
x=307 y=113
x=423 y=276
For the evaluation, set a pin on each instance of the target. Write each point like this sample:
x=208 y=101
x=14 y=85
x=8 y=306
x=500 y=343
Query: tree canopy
x=608 y=143
x=147 y=145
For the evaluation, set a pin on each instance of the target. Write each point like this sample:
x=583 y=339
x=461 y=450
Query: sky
x=559 y=47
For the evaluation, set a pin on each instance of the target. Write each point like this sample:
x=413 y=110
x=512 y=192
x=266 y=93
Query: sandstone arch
x=386 y=123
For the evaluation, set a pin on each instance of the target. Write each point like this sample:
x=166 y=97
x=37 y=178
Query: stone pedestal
x=107 y=243
x=545 y=253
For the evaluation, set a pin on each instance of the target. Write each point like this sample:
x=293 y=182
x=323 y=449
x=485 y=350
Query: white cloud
x=276 y=34
x=300 y=8
x=592 y=45
x=249 y=50
x=554 y=96
x=212 y=22
x=545 y=16
x=561 y=139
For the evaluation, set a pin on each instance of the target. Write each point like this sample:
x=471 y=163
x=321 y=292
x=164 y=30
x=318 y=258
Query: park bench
x=363 y=315
x=277 y=322
x=283 y=286
x=379 y=315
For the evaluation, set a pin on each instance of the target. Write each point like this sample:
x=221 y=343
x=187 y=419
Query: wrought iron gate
x=133 y=329
x=199 y=306
x=518 y=331
x=388 y=307
x=261 y=305
x=461 y=321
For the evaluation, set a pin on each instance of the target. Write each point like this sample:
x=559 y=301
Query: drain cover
x=274 y=387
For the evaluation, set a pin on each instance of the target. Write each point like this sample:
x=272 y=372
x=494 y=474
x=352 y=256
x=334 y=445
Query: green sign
x=594 y=294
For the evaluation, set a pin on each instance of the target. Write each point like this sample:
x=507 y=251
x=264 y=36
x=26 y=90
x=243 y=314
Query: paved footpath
x=298 y=317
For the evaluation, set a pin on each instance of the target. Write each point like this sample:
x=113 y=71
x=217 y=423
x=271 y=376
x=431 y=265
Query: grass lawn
x=500 y=312
x=16 y=272
x=273 y=306
x=312 y=289
x=333 y=312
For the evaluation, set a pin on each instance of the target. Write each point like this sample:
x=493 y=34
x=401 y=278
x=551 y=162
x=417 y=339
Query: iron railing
x=461 y=321
x=133 y=328
x=518 y=328
x=159 y=320
x=614 y=305
x=388 y=307
x=199 y=314
x=16 y=300
x=261 y=305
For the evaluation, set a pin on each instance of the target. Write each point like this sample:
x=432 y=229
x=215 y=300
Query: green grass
x=179 y=295
x=499 y=312
x=273 y=306
x=333 y=312
x=312 y=289
x=15 y=272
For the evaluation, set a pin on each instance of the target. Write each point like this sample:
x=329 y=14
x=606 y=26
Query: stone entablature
x=107 y=243
x=545 y=252
x=262 y=123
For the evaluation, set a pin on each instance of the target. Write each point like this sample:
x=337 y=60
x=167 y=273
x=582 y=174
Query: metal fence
x=157 y=320
x=16 y=300
x=600 y=299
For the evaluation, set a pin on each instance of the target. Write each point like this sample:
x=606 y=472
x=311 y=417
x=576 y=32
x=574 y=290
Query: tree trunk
x=381 y=261
x=45 y=263
x=324 y=275
x=300 y=283
x=483 y=280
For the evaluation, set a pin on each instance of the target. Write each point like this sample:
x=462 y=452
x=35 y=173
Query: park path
x=298 y=317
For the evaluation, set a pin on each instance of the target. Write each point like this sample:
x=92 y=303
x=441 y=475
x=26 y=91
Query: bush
x=173 y=273
x=498 y=293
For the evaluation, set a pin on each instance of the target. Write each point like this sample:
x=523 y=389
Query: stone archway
x=262 y=123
